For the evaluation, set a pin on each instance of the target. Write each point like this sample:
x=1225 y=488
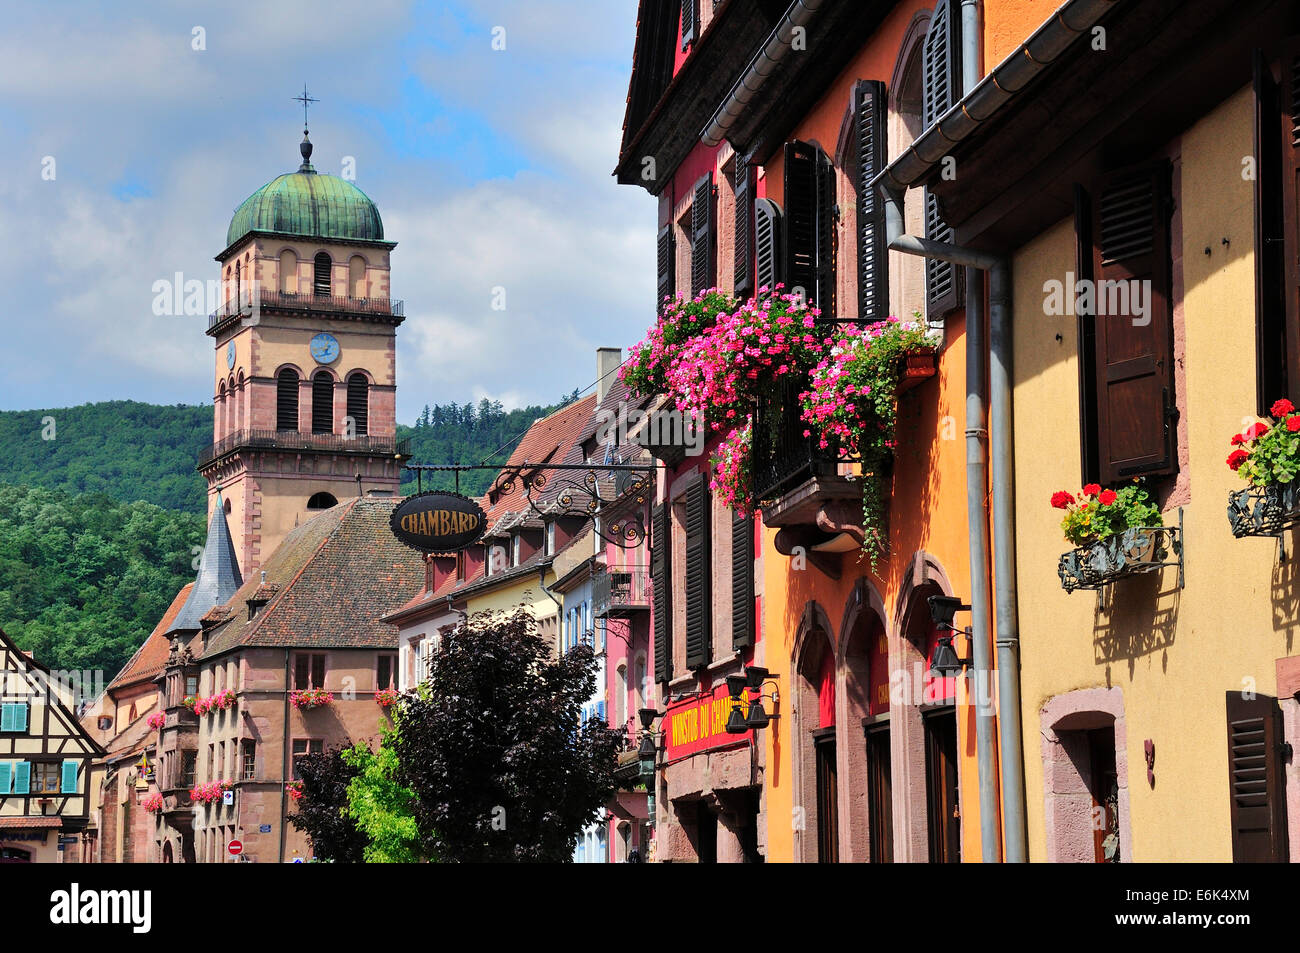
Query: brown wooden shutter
x=661 y=576
x=690 y=21
x=1279 y=172
x=743 y=275
x=826 y=206
x=1256 y=779
x=704 y=265
x=667 y=265
x=1135 y=392
x=767 y=246
x=809 y=252
x=941 y=79
x=742 y=581
x=873 y=261
x=699 y=570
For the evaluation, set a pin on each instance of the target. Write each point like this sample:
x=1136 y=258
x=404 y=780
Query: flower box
x=310 y=698
x=1264 y=510
x=222 y=701
x=153 y=804
x=211 y=792
x=916 y=368
x=190 y=702
x=1137 y=550
x=157 y=720
x=387 y=697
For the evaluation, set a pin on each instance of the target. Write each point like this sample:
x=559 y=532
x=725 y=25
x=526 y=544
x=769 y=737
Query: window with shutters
x=941 y=89
x=1128 y=409
x=667 y=265
x=322 y=403
x=321 y=274
x=359 y=403
x=698 y=575
x=703 y=231
x=1256 y=779
x=308 y=671
x=690 y=22
x=742 y=581
x=1277 y=224
x=661 y=574
x=768 y=266
x=286 y=400
x=45 y=778
x=809 y=225
x=739 y=174
x=14 y=717
x=866 y=161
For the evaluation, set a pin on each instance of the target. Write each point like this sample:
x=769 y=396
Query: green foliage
x=1269 y=454
x=124 y=449
x=1098 y=514
x=84 y=578
x=381 y=806
x=323 y=808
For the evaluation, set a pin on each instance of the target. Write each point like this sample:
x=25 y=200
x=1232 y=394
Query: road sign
x=264 y=828
x=227 y=797
x=236 y=847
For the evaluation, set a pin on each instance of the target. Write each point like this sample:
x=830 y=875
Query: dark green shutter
x=742 y=581
x=767 y=246
x=810 y=224
x=661 y=575
x=667 y=265
x=699 y=571
x=742 y=280
x=704 y=272
x=941 y=80
x=1256 y=779
x=873 y=253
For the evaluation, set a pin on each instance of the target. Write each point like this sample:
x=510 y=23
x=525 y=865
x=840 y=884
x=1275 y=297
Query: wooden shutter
x=667 y=265
x=68 y=778
x=301 y=672
x=6 y=777
x=826 y=205
x=359 y=403
x=703 y=229
x=743 y=276
x=7 y=716
x=768 y=269
x=699 y=614
x=1135 y=393
x=318 y=671
x=809 y=252
x=1277 y=225
x=1089 y=454
x=286 y=400
x=1256 y=779
x=690 y=21
x=23 y=777
x=322 y=403
x=941 y=79
x=742 y=582
x=661 y=575
x=873 y=261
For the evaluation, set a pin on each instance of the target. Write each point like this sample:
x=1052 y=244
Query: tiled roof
x=216 y=615
x=218 y=573
x=30 y=823
x=548 y=440
x=149 y=659
x=337 y=575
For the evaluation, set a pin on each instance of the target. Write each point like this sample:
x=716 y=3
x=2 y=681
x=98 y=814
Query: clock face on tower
x=230 y=355
x=325 y=348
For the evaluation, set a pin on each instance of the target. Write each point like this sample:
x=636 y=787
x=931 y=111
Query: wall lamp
x=755 y=717
x=945 y=661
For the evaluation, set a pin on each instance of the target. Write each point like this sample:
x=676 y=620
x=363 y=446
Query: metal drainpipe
x=284 y=767
x=977 y=520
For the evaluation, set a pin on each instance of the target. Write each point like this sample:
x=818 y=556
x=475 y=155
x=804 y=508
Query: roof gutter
x=981 y=102
x=763 y=65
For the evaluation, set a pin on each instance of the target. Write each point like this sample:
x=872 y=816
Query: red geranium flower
x=1061 y=499
x=1238 y=439
x=1255 y=431
x=1107 y=497
x=1293 y=424
x=1237 y=458
x=1091 y=489
x=1281 y=408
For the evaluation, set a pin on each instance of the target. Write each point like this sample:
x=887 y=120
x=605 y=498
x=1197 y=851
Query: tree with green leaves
x=323 y=808
x=380 y=806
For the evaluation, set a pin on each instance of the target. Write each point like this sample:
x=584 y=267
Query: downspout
x=284 y=768
x=977 y=520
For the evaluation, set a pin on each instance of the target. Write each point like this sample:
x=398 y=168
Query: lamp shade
x=736 y=721
x=944 y=661
x=757 y=717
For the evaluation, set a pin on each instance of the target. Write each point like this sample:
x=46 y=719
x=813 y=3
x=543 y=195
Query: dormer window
x=514 y=556
x=550 y=538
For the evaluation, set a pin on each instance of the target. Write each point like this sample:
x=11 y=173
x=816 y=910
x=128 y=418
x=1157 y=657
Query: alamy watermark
x=660 y=428
x=1113 y=298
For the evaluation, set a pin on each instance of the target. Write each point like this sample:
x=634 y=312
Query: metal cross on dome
x=305 y=100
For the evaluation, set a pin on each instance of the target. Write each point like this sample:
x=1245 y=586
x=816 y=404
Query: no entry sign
x=236 y=847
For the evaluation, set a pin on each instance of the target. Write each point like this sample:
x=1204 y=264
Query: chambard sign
x=438 y=522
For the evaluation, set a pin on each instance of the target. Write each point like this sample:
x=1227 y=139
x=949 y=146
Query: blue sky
x=491 y=169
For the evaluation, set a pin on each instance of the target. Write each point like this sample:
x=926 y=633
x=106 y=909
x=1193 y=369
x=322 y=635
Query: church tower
x=304 y=383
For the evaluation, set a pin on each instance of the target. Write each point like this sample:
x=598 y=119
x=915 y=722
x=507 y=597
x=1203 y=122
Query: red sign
x=700 y=723
x=236 y=847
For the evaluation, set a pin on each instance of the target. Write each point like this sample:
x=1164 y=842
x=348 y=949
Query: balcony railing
x=782 y=456
x=292 y=301
x=621 y=591
x=297 y=440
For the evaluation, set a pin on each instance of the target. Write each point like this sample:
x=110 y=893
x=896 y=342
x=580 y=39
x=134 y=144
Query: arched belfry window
x=238 y=297
x=322 y=403
x=289 y=271
x=357 y=277
x=359 y=403
x=286 y=400
x=321 y=501
x=321 y=275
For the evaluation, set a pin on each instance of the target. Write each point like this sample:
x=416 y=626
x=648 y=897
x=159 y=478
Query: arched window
x=322 y=403
x=620 y=697
x=239 y=404
x=321 y=501
x=286 y=400
x=357 y=277
x=906 y=95
x=359 y=403
x=289 y=271
x=238 y=297
x=221 y=410
x=321 y=275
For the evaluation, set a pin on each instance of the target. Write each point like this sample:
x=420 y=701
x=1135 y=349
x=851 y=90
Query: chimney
x=608 y=360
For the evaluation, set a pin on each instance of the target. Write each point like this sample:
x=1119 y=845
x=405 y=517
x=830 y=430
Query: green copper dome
x=305 y=203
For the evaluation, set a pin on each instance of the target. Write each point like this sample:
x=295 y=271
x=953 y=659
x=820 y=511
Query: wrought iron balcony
x=292 y=301
x=621 y=591
x=297 y=440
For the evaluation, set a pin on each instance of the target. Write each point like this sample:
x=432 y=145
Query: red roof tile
x=150 y=658
x=30 y=823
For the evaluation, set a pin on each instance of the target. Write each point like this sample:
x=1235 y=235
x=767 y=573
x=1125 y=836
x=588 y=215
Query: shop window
x=880 y=795
x=943 y=814
x=828 y=835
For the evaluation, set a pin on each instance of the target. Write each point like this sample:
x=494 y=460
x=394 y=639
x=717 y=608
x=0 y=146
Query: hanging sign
x=438 y=522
